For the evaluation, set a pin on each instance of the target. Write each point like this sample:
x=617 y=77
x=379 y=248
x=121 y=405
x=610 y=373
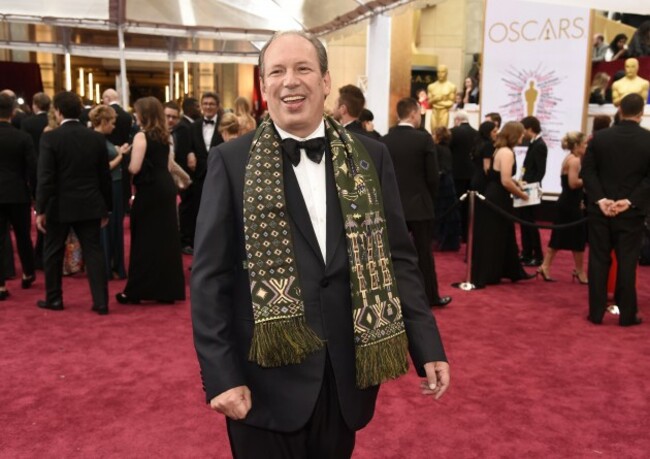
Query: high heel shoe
x=575 y=275
x=27 y=281
x=542 y=272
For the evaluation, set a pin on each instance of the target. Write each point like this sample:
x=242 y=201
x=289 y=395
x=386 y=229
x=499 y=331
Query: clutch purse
x=181 y=178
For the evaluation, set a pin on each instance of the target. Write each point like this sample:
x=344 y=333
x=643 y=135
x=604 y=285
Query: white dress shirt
x=311 y=179
x=208 y=131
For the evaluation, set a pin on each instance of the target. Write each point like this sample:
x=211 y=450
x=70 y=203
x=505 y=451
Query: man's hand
x=41 y=223
x=606 y=207
x=620 y=206
x=437 y=381
x=234 y=403
x=103 y=222
x=191 y=161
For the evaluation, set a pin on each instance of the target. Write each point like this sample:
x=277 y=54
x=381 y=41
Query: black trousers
x=531 y=243
x=462 y=185
x=325 y=436
x=422 y=232
x=624 y=236
x=18 y=215
x=187 y=217
x=194 y=202
x=88 y=233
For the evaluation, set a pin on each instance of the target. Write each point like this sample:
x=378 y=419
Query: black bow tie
x=207 y=121
x=315 y=148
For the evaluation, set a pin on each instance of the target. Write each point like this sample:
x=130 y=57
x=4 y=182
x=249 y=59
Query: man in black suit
x=312 y=407
x=17 y=174
x=180 y=130
x=123 y=133
x=348 y=108
x=533 y=170
x=463 y=142
x=74 y=191
x=34 y=126
x=616 y=174
x=416 y=168
x=204 y=136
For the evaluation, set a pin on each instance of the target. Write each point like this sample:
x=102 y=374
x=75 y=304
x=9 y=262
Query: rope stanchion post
x=468 y=285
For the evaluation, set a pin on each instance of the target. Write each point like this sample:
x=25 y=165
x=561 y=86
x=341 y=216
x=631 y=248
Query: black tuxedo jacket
x=34 y=125
x=182 y=144
x=617 y=166
x=17 y=165
x=416 y=167
x=200 y=149
x=123 y=124
x=283 y=398
x=535 y=161
x=464 y=139
x=74 y=180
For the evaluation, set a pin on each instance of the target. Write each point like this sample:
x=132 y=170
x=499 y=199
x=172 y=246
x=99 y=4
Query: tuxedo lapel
x=334 y=222
x=297 y=209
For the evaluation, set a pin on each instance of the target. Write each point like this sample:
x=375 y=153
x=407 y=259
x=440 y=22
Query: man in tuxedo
x=463 y=142
x=416 y=168
x=533 y=170
x=121 y=134
x=616 y=174
x=73 y=191
x=17 y=174
x=348 y=109
x=34 y=126
x=180 y=130
x=277 y=248
x=19 y=115
x=204 y=135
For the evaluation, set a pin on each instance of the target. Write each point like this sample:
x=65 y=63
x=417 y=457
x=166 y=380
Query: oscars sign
x=535 y=59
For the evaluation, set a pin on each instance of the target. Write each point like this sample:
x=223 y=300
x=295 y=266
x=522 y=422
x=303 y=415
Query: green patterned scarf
x=281 y=334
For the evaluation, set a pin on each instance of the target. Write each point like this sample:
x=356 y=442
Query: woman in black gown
x=495 y=248
x=155 y=265
x=569 y=209
x=482 y=155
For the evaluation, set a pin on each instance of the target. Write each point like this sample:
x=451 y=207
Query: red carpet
x=530 y=378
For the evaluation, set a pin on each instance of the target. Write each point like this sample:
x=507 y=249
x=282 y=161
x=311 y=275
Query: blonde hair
x=229 y=124
x=509 y=134
x=243 y=111
x=101 y=113
x=572 y=139
x=600 y=81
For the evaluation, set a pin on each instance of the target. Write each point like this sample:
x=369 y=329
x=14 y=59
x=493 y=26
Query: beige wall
x=347 y=60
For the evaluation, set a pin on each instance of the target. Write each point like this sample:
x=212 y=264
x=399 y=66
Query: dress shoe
x=442 y=301
x=528 y=275
x=54 y=306
x=635 y=321
x=123 y=299
x=101 y=310
x=27 y=281
x=532 y=262
x=4 y=294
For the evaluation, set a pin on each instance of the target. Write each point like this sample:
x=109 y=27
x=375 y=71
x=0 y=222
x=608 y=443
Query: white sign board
x=535 y=63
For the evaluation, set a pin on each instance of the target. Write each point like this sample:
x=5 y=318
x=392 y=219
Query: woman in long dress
x=155 y=265
x=569 y=209
x=495 y=248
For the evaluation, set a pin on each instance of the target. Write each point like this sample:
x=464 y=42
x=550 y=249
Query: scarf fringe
x=381 y=361
x=283 y=342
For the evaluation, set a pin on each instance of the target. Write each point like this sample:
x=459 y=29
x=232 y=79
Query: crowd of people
x=85 y=169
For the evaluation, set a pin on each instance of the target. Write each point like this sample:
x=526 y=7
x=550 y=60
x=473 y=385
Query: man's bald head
x=9 y=92
x=110 y=96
